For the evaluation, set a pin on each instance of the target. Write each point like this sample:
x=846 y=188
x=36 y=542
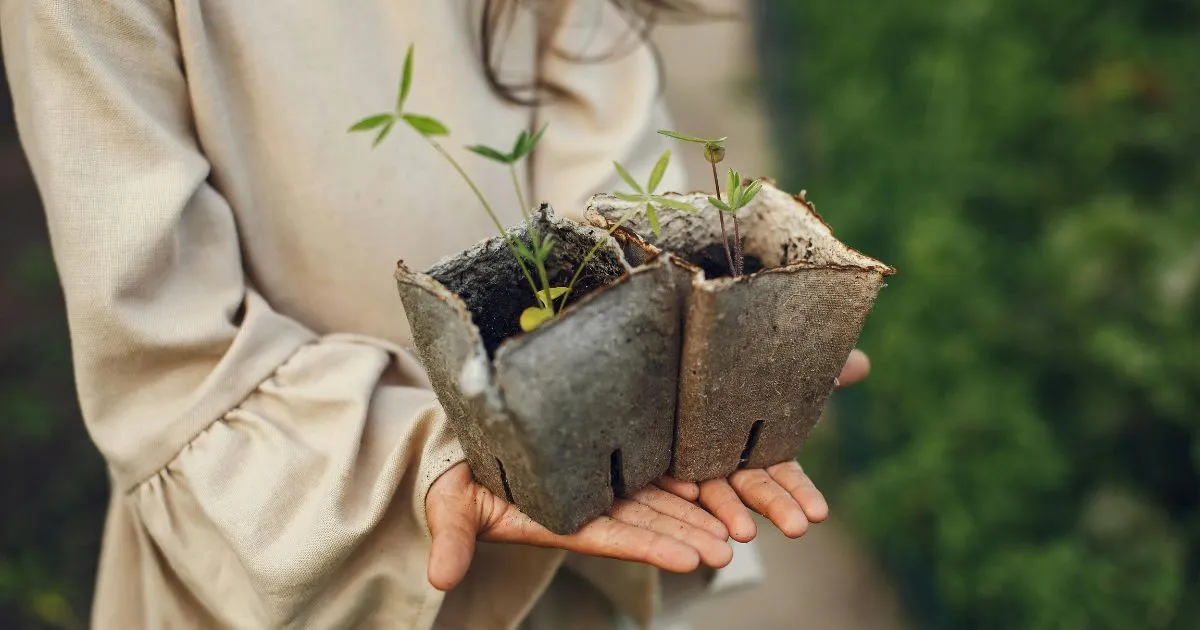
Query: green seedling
x=645 y=200
x=714 y=153
x=645 y=197
x=535 y=254
x=522 y=147
x=539 y=253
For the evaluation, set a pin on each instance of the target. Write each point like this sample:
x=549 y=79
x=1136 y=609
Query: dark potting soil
x=495 y=291
x=715 y=265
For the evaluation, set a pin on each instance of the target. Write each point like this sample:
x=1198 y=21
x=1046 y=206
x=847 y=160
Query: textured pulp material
x=564 y=418
x=761 y=353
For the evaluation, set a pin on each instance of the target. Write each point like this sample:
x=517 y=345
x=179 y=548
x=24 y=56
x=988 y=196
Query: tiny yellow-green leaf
x=681 y=136
x=627 y=177
x=652 y=217
x=719 y=205
x=535 y=316
x=383 y=133
x=426 y=126
x=659 y=169
x=673 y=204
x=489 y=153
x=554 y=294
x=405 y=79
x=371 y=122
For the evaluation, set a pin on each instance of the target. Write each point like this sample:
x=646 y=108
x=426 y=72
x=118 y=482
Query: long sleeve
x=280 y=474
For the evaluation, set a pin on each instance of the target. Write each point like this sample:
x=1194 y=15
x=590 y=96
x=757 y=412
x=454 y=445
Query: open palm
x=653 y=526
x=673 y=525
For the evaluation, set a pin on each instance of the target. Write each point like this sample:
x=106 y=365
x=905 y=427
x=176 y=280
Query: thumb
x=454 y=524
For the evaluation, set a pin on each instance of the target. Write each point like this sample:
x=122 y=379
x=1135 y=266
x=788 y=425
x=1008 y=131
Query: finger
x=714 y=551
x=722 y=502
x=761 y=493
x=675 y=507
x=857 y=367
x=603 y=536
x=791 y=476
x=453 y=522
x=683 y=489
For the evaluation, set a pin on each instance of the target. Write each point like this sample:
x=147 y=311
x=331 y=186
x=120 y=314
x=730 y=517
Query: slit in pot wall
x=751 y=442
x=617 y=474
x=508 y=496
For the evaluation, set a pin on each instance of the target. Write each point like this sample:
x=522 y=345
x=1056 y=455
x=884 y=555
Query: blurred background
x=1026 y=454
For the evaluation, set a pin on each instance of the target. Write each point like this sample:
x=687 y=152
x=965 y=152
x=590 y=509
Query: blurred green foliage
x=54 y=489
x=1026 y=454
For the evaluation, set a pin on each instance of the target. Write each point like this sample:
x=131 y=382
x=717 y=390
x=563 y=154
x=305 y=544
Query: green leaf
x=535 y=316
x=720 y=205
x=732 y=183
x=630 y=198
x=523 y=250
x=532 y=142
x=426 y=125
x=519 y=144
x=652 y=217
x=680 y=136
x=627 y=177
x=751 y=192
x=371 y=122
x=673 y=204
x=383 y=133
x=660 y=168
x=490 y=153
x=543 y=248
x=405 y=80
x=547 y=297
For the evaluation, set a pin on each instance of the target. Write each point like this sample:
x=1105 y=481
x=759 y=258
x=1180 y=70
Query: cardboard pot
x=762 y=352
x=562 y=419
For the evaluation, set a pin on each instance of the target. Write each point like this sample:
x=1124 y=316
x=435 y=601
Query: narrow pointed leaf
x=652 y=217
x=383 y=133
x=630 y=198
x=751 y=192
x=535 y=316
x=426 y=126
x=533 y=141
x=372 y=122
x=547 y=244
x=554 y=294
x=660 y=168
x=720 y=205
x=405 y=80
x=731 y=184
x=627 y=177
x=490 y=153
x=673 y=204
x=519 y=145
x=523 y=250
x=681 y=136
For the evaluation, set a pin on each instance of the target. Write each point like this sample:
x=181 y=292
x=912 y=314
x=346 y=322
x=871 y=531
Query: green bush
x=1027 y=453
x=53 y=488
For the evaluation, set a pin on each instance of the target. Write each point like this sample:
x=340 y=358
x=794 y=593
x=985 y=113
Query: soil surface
x=496 y=292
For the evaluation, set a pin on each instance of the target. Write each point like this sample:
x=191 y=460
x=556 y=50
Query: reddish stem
x=733 y=270
x=737 y=248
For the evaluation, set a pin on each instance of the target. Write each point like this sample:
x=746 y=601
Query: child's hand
x=653 y=526
x=782 y=493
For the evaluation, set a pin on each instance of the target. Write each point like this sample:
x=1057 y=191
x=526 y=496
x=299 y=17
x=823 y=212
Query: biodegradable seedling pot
x=562 y=419
x=761 y=352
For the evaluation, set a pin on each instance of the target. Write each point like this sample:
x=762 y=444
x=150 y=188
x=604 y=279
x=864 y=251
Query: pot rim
x=870 y=263
x=657 y=259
